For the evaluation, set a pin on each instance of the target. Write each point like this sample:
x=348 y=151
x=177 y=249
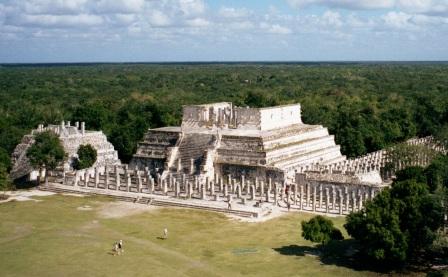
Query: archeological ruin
x=232 y=159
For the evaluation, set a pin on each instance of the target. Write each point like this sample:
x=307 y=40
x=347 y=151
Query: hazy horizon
x=144 y=31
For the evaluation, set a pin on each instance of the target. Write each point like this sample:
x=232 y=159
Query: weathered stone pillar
x=347 y=200
x=164 y=187
x=261 y=189
x=106 y=177
x=179 y=165
x=333 y=198
x=320 y=196
x=353 y=200
x=86 y=177
x=275 y=194
x=360 y=200
x=139 y=181
x=340 y=201
x=221 y=185
x=226 y=190
x=308 y=193
x=212 y=188
x=117 y=178
x=243 y=182
x=190 y=190
x=128 y=181
x=75 y=183
x=151 y=184
x=192 y=166
x=314 y=197
x=301 y=197
x=97 y=177
x=252 y=192
x=238 y=191
x=203 y=190
x=295 y=194
x=327 y=200
x=268 y=195
x=176 y=188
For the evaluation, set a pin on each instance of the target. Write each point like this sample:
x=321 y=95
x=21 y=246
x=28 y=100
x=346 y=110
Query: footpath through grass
x=54 y=237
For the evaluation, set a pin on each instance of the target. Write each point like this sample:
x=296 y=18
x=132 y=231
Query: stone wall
x=71 y=138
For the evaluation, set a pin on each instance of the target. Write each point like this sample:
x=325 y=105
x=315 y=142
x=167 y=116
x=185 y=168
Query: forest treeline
x=366 y=106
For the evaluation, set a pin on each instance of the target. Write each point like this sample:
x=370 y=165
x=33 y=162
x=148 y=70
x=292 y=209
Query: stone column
x=295 y=194
x=212 y=188
x=314 y=198
x=97 y=177
x=308 y=192
x=176 y=188
x=268 y=195
x=128 y=181
x=275 y=194
x=203 y=190
x=106 y=177
x=179 y=165
x=347 y=200
x=252 y=192
x=333 y=198
x=320 y=196
x=151 y=184
x=301 y=197
x=191 y=166
x=238 y=191
x=340 y=201
x=360 y=200
x=190 y=190
x=226 y=190
x=353 y=200
x=165 y=187
x=221 y=185
x=117 y=178
x=86 y=177
x=261 y=189
x=243 y=182
x=139 y=181
x=327 y=200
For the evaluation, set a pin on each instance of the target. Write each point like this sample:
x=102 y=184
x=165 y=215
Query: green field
x=54 y=237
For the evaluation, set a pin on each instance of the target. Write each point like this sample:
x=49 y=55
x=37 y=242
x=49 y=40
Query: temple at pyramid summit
x=223 y=139
x=257 y=158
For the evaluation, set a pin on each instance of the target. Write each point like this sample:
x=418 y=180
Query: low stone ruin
x=71 y=138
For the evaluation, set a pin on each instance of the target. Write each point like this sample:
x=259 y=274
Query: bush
x=86 y=157
x=321 y=230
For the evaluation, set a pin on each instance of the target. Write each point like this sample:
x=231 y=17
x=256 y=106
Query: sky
x=59 y=31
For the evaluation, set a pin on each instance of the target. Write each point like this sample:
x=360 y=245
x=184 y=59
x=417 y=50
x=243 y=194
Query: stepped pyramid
x=223 y=139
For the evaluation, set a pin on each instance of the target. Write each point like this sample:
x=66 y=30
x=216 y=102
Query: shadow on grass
x=161 y=238
x=340 y=253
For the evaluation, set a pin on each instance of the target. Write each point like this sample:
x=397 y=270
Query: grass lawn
x=55 y=238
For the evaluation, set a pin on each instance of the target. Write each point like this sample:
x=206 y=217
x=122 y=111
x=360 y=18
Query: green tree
x=4 y=178
x=46 y=152
x=416 y=173
x=398 y=224
x=86 y=157
x=321 y=230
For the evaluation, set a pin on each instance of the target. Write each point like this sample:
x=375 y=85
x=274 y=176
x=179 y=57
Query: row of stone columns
x=317 y=197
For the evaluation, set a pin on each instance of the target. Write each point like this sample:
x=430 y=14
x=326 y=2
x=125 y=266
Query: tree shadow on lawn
x=342 y=253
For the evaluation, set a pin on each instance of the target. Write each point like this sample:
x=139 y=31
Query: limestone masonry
x=223 y=139
x=238 y=160
x=71 y=137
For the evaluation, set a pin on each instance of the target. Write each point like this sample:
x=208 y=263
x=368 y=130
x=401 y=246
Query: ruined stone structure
x=71 y=138
x=221 y=154
x=220 y=138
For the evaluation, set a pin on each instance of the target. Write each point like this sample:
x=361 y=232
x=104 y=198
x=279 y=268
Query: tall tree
x=398 y=224
x=46 y=152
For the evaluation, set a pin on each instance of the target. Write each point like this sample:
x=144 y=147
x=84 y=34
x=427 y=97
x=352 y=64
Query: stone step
x=152 y=201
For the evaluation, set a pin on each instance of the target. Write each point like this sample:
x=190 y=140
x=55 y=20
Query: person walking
x=120 y=247
x=229 y=204
x=165 y=233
